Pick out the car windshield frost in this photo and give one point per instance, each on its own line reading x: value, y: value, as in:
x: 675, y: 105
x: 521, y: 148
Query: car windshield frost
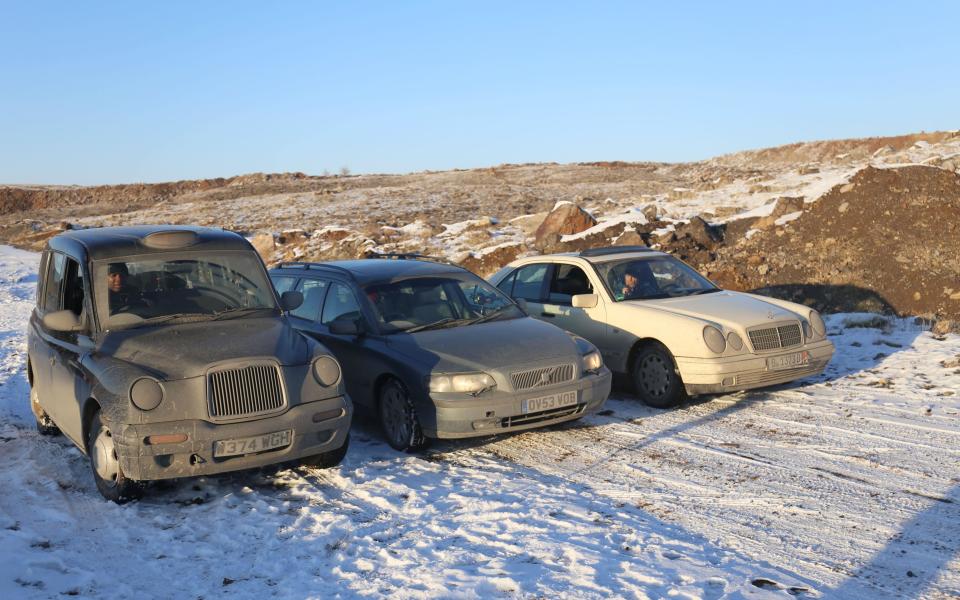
x: 138, y: 291
x: 652, y: 278
x: 437, y: 302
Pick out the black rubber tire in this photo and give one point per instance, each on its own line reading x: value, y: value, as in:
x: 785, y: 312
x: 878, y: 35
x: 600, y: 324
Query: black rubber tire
x: 329, y: 459
x: 398, y: 418
x: 45, y: 425
x: 655, y: 377
x: 118, y: 488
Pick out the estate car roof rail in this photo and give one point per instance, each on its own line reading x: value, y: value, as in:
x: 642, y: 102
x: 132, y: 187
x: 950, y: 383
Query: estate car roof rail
x: 614, y: 250
x: 409, y: 256
x: 314, y: 266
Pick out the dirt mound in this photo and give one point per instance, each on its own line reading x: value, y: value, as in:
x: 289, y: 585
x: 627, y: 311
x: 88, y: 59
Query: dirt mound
x: 889, y: 239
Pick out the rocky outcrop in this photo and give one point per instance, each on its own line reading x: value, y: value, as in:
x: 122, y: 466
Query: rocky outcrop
x: 565, y: 219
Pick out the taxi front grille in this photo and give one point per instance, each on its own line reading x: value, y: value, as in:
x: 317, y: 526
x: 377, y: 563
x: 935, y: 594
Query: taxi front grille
x: 245, y: 392
x: 542, y: 377
x: 774, y: 338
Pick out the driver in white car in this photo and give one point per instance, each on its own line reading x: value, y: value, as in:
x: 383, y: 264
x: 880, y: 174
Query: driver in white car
x: 638, y: 282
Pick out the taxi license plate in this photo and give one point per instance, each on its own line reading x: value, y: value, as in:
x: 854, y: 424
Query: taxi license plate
x: 788, y: 361
x: 558, y: 400
x: 256, y: 443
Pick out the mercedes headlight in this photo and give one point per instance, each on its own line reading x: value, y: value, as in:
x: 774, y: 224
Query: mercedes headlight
x: 592, y: 361
x: 714, y: 340
x: 326, y: 370
x: 735, y: 341
x: 465, y: 383
x: 816, y: 322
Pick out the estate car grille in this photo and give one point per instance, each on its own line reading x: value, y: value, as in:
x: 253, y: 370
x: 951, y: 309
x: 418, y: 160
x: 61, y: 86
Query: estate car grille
x: 245, y: 392
x: 771, y: 338
x: 542, y: 377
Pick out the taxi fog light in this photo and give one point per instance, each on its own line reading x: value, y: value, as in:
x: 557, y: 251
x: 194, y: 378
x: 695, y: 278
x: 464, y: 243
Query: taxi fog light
x: 468, y: 383
x: 168, y: 438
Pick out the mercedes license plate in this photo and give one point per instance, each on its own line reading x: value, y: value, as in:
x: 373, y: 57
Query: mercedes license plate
x: 256, y: 443
x: 788, y: 361
x: 541, y: 403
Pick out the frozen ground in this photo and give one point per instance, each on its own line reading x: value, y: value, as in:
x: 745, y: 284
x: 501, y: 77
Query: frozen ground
x: 847, y: 486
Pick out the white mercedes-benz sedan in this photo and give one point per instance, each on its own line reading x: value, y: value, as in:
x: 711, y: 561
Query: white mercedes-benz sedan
x: 670, y: 329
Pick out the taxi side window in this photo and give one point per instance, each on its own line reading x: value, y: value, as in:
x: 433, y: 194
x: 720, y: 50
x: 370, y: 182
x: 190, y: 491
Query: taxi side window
x: 53, y: 286
x: 73, y: 288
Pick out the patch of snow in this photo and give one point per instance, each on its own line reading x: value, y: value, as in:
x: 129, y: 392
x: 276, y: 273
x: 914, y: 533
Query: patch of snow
x: 788, y: 217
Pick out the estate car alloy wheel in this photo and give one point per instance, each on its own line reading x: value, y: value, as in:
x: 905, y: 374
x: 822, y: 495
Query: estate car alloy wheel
x: 655, y: 378
x: 398, y: 418
x: 105, y: 464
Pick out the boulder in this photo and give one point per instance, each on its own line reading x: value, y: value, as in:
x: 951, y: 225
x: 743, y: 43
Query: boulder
x: 784, y: 206
x: 263, y: 243
x: 700, y: 232
x: 565, y: 219
x: 486, y: 262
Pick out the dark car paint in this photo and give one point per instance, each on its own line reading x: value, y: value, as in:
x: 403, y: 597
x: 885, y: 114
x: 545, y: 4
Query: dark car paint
x: 76, y: 373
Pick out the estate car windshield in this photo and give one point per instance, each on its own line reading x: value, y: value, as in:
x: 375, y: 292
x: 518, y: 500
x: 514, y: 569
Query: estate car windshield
x: 137, y: 291
x: 652, y: 278
x: 419, y: 304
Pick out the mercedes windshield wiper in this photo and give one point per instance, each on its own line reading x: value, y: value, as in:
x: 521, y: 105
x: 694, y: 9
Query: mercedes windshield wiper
x: 707, y: 291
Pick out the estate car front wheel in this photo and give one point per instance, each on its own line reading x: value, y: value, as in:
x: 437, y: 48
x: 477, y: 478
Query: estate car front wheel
x: 655, y: 378
x: 398, y: 418
x: 105, y: 464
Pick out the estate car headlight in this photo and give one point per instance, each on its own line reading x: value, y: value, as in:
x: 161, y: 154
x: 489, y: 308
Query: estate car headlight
x: 592, y: 361
x: 146, y: 393
x: 467, y: 383
x: 714, y: 340
x: 735, y: 341
x: 816, y: 322
x: 326, y: 370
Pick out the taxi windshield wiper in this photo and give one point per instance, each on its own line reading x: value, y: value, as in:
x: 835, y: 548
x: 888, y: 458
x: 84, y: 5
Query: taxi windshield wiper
x: 164, y: 318
x: 237, y: 311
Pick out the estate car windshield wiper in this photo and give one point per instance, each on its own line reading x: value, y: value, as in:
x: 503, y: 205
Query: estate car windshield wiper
x: 489, y: 316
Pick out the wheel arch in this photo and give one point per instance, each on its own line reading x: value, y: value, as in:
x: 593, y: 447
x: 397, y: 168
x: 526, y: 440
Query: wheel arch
x: 90, y: 408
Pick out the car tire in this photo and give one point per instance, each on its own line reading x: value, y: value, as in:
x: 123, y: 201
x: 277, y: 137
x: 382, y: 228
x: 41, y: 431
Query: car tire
x: 111, y: 481
x: 655, y: 378
x: 329, y: 459
x: 45, y: 425
x: 398, y: 418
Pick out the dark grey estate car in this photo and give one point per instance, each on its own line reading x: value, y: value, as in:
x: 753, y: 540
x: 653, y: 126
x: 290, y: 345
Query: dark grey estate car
x: 162, y: 352
x: 438, y: 352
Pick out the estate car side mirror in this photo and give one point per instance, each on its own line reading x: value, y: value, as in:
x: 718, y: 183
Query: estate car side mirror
x: 63, y: 320
x: 291, y: 300
x: 584, y: 300
x: 346, y: 327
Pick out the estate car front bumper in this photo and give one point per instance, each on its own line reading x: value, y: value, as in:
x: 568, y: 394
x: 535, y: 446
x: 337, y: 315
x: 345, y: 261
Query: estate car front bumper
x: 748, y: 371
x: 318, y: 427
x: 466, y: 416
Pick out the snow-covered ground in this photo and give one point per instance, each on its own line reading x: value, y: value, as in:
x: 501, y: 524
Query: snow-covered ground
x: 846, y: 486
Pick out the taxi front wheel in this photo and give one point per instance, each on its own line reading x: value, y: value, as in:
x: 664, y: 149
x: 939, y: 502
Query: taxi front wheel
x: 111, y: 481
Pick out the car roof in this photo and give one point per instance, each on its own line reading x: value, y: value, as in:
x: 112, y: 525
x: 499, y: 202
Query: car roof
x: 597, y: 255
x: 109, y: 242
x: 373, y: 270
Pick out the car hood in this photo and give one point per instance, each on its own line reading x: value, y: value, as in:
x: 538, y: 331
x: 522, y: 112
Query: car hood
x: 730, y: 309
x: 185, y: 350
x: 485, y: 346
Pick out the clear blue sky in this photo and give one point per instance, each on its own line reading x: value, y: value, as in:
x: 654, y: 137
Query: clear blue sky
x: 99, y: 92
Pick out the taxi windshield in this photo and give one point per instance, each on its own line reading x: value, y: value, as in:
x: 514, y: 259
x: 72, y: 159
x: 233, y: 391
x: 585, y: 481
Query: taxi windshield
x: 135, y: 291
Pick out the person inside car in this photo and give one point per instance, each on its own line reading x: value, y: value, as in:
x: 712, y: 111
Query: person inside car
x: 638, y: 282
x: 123, y: 296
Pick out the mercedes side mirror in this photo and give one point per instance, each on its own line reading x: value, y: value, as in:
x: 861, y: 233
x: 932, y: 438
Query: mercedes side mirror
x: 584, y: 300
x: 522, y: 303
x: 291, y: 300
x: 63, y: 320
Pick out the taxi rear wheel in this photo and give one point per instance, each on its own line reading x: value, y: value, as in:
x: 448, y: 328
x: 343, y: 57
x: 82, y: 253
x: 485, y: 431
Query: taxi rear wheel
x: 111, y: 481
x: 398, y: 418
x: 655, y: 377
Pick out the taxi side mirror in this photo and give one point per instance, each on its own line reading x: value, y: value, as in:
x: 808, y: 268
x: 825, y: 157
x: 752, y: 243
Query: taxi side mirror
x: 63, y: 321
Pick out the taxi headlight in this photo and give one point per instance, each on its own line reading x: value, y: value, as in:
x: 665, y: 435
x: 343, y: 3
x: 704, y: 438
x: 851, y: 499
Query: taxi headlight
x: 713, y: 338
x: 146, y: 393
x: 326, y: 370
x: 466, y: 383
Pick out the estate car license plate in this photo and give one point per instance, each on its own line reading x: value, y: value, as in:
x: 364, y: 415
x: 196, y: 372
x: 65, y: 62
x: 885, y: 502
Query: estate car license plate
x: 558, y: 400
x: 788, y: 361
x: 256, y: 443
